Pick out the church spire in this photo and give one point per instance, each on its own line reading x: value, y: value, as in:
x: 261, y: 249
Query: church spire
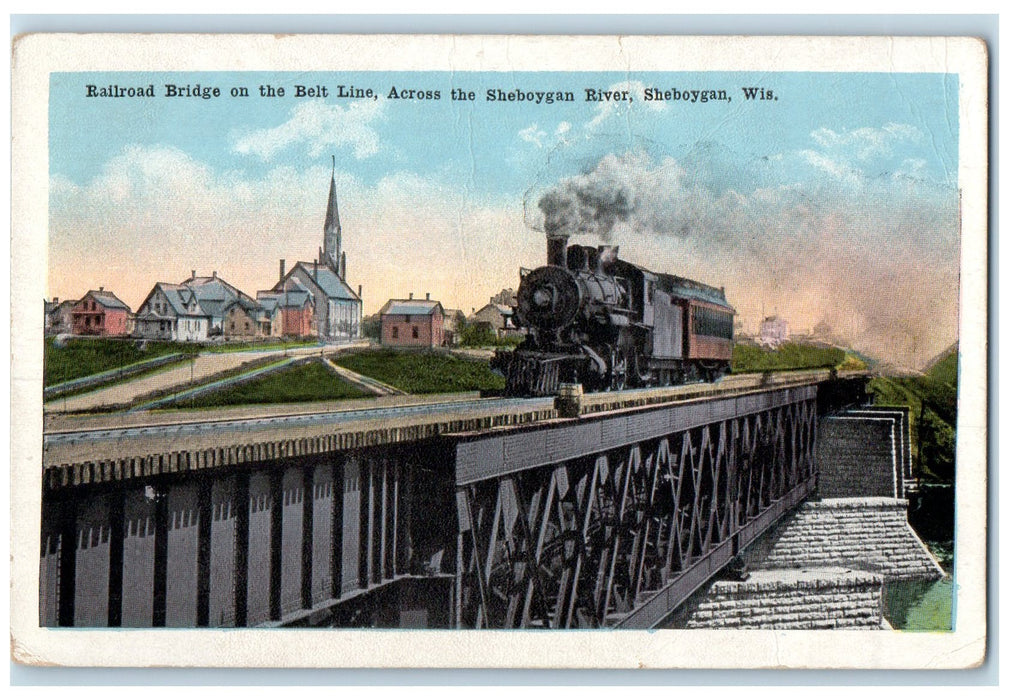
x: 332, y: 230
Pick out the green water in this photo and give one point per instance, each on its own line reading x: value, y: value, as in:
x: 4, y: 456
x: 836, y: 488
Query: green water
x: 919, y: 606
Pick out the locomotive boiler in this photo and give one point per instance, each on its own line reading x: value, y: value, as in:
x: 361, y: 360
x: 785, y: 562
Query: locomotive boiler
x: 594, y: 319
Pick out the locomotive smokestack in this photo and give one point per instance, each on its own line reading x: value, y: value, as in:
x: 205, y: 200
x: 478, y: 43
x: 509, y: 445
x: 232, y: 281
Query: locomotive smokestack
x: 557, y: 249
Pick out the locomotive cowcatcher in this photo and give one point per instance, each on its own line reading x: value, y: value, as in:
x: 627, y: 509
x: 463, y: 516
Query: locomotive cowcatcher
x: 594, y: 319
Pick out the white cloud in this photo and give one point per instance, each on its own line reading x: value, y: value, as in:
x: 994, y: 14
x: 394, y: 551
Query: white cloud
x: 319, y: 127
x: 533, y: 134
x: 867, y: 142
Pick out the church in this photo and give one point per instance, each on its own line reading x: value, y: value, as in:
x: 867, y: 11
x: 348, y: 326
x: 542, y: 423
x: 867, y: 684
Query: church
x: 336, y: 307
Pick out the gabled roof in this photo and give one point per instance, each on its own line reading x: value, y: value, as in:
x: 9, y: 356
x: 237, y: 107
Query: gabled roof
x: 214, y: 294
x: 268, y: 303
x: 289, y: 298
x: 106, y: 299
x: 178, y: 296
x: 246, y: 304
x: 411, y: 307
x: 505, y: 311
x: 323, y: 278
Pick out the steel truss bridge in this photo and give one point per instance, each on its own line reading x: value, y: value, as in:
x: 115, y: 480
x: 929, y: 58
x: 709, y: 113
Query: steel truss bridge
x: 468, y: 514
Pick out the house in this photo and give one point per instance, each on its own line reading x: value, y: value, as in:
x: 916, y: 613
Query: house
x: 216, y: 296
x: 498, y: 318
x: 291, y: 313
x: 412, y: 323
x: 172, y: 312
x: 100, y: 313
x: 59, y: 316
x: 773, y: 331
x: 243, y: 319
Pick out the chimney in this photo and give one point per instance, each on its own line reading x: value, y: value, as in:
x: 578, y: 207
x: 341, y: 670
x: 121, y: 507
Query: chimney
x: 56, y: 301
x: 358, y: 291
x: 557, y: 250
x: 282, y: 268
x: 427, y: 295
x: 315, y: 269
x: 192, y: 273
x: 215, y: 274
x: 101, y: 289
x: 411, y: 295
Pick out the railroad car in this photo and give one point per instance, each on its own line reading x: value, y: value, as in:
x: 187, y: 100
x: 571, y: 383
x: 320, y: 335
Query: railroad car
x: 594, y: 319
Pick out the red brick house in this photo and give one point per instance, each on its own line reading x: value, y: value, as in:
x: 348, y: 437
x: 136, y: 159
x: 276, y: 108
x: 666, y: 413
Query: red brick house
x: 100, y: 313
x: 293, y: 312
x: 413, y: 323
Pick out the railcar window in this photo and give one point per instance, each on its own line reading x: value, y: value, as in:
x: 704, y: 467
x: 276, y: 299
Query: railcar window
x: 712, y: 323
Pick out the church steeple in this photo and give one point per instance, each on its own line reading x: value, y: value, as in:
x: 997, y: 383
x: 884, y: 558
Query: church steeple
x: 333, y: 232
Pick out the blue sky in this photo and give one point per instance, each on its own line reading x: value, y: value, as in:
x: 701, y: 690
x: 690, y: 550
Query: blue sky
x: 752, y: 194
x: 88, y: 132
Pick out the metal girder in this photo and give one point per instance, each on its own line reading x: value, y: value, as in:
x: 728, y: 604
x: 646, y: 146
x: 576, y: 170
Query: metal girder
x: 585, y: 542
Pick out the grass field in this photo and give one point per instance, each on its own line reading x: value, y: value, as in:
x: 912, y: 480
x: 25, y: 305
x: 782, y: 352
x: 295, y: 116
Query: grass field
x: 753, y: 358
x: 309, y: 381
x: 82, y: 357
x: 422, y: 372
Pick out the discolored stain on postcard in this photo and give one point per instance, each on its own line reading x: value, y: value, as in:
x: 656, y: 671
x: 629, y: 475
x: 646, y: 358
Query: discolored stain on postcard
x: 540, y: 351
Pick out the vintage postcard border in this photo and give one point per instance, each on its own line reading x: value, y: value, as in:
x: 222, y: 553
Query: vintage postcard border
x: 38, y: 55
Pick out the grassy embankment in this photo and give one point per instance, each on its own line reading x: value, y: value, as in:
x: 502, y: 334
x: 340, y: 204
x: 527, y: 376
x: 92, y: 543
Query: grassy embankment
x: 753, y: 358
x: 303, y: 382
x: 83, y: 357
x: 422, y: 372
x: 932, y: 398
x: 265, y: 344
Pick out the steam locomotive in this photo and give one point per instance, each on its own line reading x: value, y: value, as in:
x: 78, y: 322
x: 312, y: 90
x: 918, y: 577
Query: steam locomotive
x: 594, y: 319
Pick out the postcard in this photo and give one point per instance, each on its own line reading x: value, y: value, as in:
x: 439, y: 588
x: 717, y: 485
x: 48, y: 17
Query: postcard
x: 499, y: 351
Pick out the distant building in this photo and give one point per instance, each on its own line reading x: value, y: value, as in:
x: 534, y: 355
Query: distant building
x: 59, y: 316
x: 100, y: 313
x: 773, y: 330
x: 290, y: 313
x: 216, y: 297
x: 172, y: 312
x: 498, y: 318
x: 243, y: 319
x: 506, y: 297
x: 455, y: 319
x: 336, y: 308
x: 412, y: 323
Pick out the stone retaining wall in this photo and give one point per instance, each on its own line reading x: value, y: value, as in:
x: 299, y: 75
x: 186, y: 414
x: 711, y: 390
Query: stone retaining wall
x: 870, y: 534
x: 795, y: 600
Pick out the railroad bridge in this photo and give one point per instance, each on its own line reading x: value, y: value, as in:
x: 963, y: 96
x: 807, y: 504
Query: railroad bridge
x: 491, y: 513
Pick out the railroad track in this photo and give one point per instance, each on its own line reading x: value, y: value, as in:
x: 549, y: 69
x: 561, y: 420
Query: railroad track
x: 269, y: 418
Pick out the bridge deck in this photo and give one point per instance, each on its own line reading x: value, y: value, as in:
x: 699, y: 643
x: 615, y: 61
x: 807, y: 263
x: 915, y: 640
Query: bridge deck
x: 94, y: 449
